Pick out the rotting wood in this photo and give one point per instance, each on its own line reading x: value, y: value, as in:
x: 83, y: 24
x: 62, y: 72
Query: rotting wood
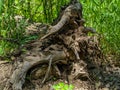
x: 69, y: 16
x: 18, y: 77
x: 66, y: 37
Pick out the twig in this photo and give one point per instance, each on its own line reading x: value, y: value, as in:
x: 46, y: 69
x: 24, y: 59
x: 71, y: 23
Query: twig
x: 47, y: 73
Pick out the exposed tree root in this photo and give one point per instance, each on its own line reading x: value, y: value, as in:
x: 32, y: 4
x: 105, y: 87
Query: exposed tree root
x: 65, y: 43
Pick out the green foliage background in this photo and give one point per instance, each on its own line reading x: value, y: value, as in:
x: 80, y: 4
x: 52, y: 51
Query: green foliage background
x: 103, y: 15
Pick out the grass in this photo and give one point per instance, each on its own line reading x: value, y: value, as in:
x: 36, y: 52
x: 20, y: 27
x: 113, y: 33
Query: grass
x: 103, y: 15
x: 63, y: 86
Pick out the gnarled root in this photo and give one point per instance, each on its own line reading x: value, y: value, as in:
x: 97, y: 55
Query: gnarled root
x: 18, y: 77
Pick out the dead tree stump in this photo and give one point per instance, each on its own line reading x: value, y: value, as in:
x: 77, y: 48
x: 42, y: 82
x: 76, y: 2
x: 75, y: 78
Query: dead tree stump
x: 66, y: 43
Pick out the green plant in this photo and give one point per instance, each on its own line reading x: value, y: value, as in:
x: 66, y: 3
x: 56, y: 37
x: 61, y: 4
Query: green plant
x: 103, y: 15
x: 63, y: 86
x: 33, y: 10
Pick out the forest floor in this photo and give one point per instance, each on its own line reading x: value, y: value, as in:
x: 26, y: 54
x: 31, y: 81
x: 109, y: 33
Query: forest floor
x: 105, y: 77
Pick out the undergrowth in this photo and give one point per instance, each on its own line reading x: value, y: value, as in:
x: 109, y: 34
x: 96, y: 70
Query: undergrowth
x: 103, y: 15
x: 63, y: 86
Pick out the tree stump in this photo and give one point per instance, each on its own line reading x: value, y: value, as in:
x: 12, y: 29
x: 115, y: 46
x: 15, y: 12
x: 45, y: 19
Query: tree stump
x: 65, y: 45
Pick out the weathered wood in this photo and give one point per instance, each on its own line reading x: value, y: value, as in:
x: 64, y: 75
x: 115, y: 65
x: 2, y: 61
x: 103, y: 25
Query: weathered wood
x: 69, y: 15
x: 18, y: 77
x: 69, y: 41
